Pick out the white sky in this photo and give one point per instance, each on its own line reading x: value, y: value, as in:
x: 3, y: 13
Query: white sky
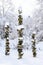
x: 28, y: 6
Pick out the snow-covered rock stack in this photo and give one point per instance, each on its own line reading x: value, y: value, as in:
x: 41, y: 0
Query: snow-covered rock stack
x: 20, y: 34
x: 7, y: 49
x: 34, y: 44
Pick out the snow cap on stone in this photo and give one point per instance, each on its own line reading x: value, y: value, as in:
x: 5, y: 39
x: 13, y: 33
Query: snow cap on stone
x: 32, y: 40
x: 20, y: 38
x: 34, y: 32
x: 20, y: 27
x: 8, y: 38
x: 7, y: 23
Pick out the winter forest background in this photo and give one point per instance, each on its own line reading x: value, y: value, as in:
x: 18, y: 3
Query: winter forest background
x: 21, y: 32
x: 31, y: 23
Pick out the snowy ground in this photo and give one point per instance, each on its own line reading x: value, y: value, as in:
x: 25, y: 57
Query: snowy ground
x: 27, y: 59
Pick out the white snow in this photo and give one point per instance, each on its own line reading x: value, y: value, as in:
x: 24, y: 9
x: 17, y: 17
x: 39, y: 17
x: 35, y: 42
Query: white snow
x: 20, y: 38
x: 7, y: 23
x: 19, y: 27
x: 34, y: 32
x: 31, y: 25
x: 27, y: 59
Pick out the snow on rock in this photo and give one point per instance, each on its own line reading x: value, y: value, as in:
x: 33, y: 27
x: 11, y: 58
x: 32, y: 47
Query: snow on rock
x: 19, y: 27
x: 20, y: 38
x: 34, y: 32
x: 7, y: 23
x: 32, y: 40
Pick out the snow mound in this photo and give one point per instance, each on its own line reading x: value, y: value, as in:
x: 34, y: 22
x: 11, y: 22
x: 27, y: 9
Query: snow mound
x: 19, y: 27
x: 7, y: 23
